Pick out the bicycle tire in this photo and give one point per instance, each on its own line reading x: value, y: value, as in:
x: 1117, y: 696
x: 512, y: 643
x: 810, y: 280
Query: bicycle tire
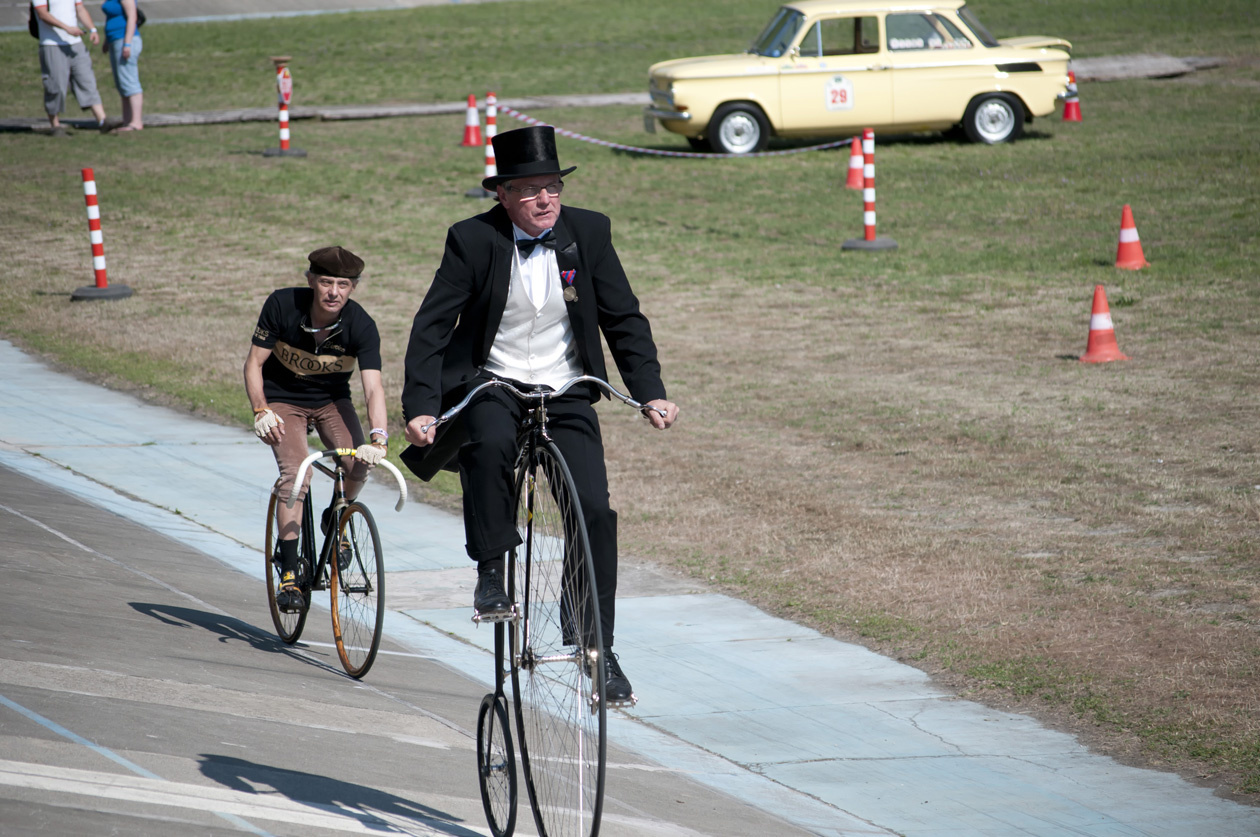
x: 556, y: 690
x: 357, y: 589
x: 496, y: 766
x: 288, y: 625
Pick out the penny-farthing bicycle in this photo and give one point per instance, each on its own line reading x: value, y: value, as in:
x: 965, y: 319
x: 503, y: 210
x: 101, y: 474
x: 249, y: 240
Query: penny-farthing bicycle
x: 552, y: 645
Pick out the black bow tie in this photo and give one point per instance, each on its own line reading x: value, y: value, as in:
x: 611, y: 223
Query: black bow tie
x: 526, y: 245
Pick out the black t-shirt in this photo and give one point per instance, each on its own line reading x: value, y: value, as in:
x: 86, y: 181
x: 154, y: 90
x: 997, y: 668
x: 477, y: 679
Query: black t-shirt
x: 299, y: 371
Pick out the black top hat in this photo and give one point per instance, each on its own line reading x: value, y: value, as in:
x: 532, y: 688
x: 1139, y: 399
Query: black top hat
x: 525, y: 152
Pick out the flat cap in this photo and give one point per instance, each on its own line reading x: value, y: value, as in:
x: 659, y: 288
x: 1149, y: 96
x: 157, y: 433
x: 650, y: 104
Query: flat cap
x: 335, y: 261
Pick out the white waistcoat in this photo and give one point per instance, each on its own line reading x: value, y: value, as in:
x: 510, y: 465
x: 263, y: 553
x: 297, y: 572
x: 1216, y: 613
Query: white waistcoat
x: 534, y: 343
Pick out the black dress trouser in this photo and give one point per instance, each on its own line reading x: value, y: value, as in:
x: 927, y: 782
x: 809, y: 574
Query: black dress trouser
x: 486, y: 463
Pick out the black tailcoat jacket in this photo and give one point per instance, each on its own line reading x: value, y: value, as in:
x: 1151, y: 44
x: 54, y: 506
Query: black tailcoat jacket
x: 456, y: 325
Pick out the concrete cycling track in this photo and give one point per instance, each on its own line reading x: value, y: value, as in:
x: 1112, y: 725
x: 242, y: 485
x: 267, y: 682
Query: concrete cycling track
x: 822, y: 734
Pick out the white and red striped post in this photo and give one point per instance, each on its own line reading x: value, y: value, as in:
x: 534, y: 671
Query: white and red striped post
x: 101, y: 289
x: 492, y: 169
x: 284, y: 95
x: 94, y: 228
x: 492, y: 113
x: 284, y: 84
x: 868, y: 183
x: 869, y: 240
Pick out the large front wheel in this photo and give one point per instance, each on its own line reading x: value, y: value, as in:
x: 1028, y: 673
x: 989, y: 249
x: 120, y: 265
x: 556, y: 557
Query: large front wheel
x: 288, y: 624
x: 557, y: 674
x: 358, y: 589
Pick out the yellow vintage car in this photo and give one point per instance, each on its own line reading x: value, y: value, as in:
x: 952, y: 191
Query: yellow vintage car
x: 828, y: 68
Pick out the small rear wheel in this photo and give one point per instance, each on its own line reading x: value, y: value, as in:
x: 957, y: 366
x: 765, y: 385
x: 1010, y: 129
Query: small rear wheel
x: 738, y: 128
x: 288, y: 625
x: 357, y: 588
x: 496, y: 766
x: 994, y: 118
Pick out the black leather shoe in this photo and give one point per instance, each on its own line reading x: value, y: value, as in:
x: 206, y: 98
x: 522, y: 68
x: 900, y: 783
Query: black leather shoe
x: 616, y: 685
x: 491, y: 599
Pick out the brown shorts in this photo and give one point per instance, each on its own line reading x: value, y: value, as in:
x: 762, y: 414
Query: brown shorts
x: 338, y: 427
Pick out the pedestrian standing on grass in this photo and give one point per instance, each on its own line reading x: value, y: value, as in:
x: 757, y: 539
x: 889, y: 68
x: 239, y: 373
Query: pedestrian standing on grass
x: 522, y: 294
x: 297, y: 375
x: 64, y: 62
x: 123, y: 44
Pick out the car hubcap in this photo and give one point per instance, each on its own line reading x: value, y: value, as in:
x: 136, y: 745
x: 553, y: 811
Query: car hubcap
x: 995, y: 120
x: 740, y: 133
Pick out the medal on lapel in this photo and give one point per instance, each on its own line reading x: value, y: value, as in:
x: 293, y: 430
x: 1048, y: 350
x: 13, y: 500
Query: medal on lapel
x: 570, y: 292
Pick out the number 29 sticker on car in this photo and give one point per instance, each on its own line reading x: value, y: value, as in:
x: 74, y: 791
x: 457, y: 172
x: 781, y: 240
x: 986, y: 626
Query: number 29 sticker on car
x: 839, y: 93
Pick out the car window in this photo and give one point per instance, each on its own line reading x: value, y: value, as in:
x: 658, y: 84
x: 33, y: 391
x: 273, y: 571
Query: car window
x: 841, y: 36
x: 779, y: 32
x: 969, y: 18
x: 923, y: 30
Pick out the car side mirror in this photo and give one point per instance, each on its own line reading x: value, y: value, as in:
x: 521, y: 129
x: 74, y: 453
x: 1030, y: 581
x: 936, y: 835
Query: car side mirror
x: 794, y: 53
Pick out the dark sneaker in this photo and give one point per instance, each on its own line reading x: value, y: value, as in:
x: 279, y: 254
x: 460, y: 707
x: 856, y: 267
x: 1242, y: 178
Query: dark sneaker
x: 616, y: 685
x: 289, y: 597
x: 491, y: 601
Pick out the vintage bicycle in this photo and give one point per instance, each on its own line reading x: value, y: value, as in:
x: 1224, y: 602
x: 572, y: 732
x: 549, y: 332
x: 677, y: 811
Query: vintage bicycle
x: 349, y: 564
x: 553, y: 643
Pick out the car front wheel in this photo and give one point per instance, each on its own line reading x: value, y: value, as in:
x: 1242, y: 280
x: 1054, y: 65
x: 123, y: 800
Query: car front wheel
x: 738, y: 128
x: 994, y: 118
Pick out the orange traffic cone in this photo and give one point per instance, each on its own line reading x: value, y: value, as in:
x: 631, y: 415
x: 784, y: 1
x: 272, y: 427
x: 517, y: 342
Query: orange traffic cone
x: 1071, y: 103
x: 856, y: 162
x: 1102, y: 346
x: 1129, y: 252
x: 472, y: 124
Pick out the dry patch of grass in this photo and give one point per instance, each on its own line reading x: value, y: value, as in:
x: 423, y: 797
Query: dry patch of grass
x: 1073, y: 540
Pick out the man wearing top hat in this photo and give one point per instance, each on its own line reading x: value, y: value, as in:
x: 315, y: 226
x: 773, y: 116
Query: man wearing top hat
x: 297, y: 374
x: 522, y: 294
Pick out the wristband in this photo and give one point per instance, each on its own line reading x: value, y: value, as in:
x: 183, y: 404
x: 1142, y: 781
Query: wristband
x: 378, y: 431
x: 92, y: 31
x: 262, y: 410
x: 126, y: 46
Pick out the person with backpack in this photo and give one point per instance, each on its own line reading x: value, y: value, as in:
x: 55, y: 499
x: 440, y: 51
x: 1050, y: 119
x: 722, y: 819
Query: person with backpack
x: 64, y: 62
x: 123, y: 45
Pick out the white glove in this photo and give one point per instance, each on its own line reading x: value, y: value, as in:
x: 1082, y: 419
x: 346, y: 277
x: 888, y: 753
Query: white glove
x: 265, y: 422
x: 372, y: 453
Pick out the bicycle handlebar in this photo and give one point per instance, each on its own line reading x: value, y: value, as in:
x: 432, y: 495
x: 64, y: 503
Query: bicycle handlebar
x: 308, y: 461
x: 539, y: 395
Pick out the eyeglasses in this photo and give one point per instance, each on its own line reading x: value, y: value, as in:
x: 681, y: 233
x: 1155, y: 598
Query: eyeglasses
x: 531, y: 192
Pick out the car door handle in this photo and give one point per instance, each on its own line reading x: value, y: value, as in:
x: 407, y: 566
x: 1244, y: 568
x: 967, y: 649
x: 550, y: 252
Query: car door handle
x: 877, y: 67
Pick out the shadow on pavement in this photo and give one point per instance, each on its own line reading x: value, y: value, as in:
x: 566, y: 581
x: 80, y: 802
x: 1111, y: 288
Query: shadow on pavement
x: 229, y: 629
x: 378, y: 810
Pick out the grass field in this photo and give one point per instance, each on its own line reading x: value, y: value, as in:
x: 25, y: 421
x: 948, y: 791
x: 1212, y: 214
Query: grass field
x: 899, y: 449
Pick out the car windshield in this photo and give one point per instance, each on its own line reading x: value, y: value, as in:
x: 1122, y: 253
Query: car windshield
x: 779, y: 32
x: 982, y: 34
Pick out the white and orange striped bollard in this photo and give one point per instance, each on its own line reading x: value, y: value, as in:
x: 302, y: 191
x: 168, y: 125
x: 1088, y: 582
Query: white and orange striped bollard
x: 492, y: 169
x: 101, y: 290
x: 284, y: 95
x: 869, y: 240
